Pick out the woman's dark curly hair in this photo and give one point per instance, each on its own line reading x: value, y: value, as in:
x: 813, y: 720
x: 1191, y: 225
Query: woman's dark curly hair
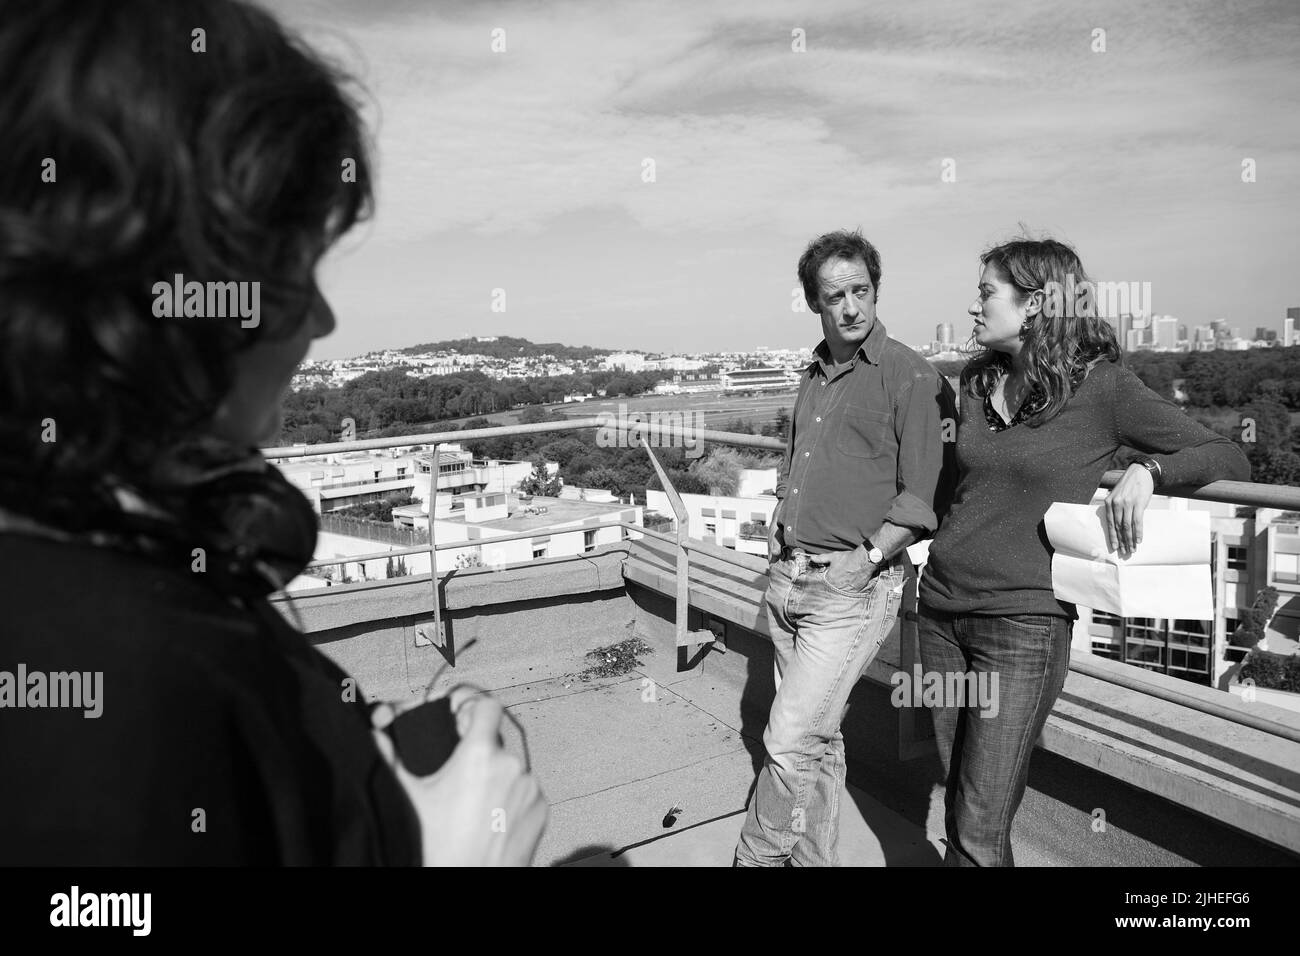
x: 1058, y: 345
x: 131, y: 156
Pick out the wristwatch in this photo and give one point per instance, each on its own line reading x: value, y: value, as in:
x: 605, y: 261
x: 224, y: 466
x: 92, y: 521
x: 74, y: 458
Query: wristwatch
x: 874, y: 554
x: 1153, y: 466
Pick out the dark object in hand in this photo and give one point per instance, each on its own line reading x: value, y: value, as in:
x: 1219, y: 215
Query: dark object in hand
x: 425, y: 736
x: 671, y: 816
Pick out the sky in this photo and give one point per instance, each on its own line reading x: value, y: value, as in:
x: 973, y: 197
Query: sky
x: 524, y: 170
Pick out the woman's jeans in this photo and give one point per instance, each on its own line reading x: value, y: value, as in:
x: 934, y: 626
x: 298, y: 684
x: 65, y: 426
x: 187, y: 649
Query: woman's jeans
x: 824, y: 638
x: 985, y: 749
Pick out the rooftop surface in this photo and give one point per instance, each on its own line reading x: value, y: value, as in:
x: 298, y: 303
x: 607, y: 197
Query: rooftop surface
x: 682, y: 729
x: 1181, y: 775
x: 558, y: 511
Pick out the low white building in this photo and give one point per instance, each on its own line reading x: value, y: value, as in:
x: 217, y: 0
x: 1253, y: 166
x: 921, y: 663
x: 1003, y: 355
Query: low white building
x: 760, y: 379
x: 555, y: 527
x: 626, y: 361
x: 337, y: 481
x: 460, y: 472
x: 739, y: 522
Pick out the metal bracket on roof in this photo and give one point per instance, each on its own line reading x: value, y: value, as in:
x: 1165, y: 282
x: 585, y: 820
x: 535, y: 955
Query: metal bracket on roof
x: 432, y: 634
x: 715, y: 630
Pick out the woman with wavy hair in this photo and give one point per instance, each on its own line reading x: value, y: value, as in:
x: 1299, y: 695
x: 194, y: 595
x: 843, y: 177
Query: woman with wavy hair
x: 1045, y: 405
x: 154, y: 145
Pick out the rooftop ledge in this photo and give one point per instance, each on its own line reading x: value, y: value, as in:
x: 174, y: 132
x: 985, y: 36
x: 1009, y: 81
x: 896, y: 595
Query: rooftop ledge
x: 1241, y: 777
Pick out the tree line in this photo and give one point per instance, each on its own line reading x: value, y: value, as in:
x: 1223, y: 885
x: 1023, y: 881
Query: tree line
x: 626, y: 471
x: 1247, y: 396
x: 390, y: 402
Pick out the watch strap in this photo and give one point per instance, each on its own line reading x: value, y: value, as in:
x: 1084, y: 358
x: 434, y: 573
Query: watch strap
x: 1153, y: 466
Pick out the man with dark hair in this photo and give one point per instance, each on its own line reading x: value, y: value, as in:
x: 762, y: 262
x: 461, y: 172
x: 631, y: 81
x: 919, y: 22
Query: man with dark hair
x: 866, y: 474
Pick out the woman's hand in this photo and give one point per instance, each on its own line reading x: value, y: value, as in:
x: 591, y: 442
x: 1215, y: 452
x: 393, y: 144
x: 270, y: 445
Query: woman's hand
x: 1124, y: 507
x: 482, y: 808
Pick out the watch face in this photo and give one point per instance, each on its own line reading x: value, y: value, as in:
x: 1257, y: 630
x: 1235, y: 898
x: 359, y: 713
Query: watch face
x: 875, y: 554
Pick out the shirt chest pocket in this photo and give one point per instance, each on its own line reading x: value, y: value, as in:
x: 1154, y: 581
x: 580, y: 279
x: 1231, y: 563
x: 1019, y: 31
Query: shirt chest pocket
x: 865, y: 433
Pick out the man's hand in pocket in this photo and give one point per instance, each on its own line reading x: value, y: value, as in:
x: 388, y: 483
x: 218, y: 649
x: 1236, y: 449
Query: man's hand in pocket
x: 847, y: 570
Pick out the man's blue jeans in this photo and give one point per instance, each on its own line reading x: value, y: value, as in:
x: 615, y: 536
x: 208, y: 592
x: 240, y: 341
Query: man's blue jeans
x: 824, y: 638
x: 985, y: 751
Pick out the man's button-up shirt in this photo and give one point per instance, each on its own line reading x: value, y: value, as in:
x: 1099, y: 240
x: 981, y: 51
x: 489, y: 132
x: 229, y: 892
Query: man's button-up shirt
x: 867, y: 446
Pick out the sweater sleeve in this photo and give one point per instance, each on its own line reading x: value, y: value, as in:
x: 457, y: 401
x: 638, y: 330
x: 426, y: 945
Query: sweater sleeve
x: 1188, y: 453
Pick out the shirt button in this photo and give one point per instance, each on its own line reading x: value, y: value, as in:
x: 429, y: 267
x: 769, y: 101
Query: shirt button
x: 819, y: 418
x: 796, y: 491
x: 807, y: 453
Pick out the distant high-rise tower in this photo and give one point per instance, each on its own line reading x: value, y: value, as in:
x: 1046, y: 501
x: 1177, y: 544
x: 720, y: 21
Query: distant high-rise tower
x: 944, y: 333
x: 1289, y: 334
x: 1138, y: 334
x: 1164, y: 331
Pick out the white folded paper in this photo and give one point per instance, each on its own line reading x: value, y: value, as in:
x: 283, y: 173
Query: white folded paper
x: 1167, y: 576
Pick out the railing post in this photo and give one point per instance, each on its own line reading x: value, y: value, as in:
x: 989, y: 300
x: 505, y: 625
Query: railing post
x: 685, y: 637
x: 438, y: 637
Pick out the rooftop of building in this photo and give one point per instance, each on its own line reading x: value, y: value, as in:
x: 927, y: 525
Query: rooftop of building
x: 524, y: 511
x: 444, y: 457
x: 525, y: 515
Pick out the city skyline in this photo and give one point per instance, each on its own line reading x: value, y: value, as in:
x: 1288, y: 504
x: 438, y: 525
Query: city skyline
x: 517, y: 172
x: 1184, y: 334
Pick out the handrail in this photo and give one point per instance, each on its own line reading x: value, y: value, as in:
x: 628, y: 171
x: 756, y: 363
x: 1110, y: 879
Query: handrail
x: 500, y: 431
x: 434, y: 475
x: 683, y: 569
x: 1229, y: 492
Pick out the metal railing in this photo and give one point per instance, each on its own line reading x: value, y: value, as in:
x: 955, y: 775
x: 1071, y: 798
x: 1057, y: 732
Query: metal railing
x: 358, y: 482
x: 1231, y: 492
x: 540, y: 428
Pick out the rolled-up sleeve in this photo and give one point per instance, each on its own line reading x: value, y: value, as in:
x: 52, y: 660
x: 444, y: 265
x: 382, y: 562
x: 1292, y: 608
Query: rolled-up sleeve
x: 925, y: 421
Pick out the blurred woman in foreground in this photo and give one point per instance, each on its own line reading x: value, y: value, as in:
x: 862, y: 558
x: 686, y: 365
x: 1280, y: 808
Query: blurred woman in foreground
x: 151, y: 144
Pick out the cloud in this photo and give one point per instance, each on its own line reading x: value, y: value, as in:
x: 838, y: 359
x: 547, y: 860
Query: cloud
x: 744, y: 133
x: 757, y: 148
